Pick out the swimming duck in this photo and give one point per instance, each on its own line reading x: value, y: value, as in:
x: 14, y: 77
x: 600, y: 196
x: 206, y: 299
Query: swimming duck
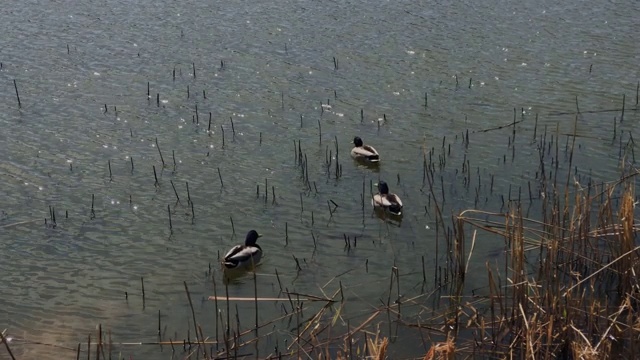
x: 243, y: 256
x: 387, y: 201
x: 364, y: 152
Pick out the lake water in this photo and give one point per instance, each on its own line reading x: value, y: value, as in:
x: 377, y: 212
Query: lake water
x: 268, y: 73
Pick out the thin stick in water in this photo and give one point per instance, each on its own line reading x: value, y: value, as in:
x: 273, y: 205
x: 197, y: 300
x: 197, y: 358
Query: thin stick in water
x: 160, y: 152
x: 215, y: 293
x: 193, y: 313
x: 220, y: 176
x: 174, y: 190
x: 6, y: 344
x: 93, y: 213
x: 255, y: 294
x: 155, y: 175
x: 233, y: 129
x: 15, y: 85
x: 624, y: 98
x: 143, y: 297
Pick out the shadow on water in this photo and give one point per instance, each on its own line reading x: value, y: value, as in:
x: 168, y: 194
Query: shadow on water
x: 389, y: 218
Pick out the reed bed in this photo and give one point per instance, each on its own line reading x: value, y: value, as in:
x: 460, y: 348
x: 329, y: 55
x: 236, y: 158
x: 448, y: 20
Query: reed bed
x: 565, y: 287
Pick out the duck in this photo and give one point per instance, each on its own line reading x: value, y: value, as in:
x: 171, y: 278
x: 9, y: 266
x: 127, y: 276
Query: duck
x: 364, y: 152
x: 244, y: 256
x: 387, y: 201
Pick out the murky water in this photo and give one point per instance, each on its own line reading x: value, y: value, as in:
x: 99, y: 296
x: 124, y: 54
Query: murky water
x: 263, y: 72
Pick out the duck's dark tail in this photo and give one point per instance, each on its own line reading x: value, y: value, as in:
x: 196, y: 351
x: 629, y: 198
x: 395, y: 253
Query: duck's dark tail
x: 395, y: 209
x: 373, y: 158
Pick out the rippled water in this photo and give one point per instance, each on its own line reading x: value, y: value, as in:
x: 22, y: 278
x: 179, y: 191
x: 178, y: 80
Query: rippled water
x: 269, y: 67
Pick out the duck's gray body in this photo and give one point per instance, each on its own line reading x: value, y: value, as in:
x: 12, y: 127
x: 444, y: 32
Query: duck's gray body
x: 386, y: 200
x: 244, y: 256
x: 364, y: 152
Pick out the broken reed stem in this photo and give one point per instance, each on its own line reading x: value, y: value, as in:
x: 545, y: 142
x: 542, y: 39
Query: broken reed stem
x: 298, y: 267
x: 173, y: 152
x: 220, y: 176
x: 226, y: 290
x: 110, y: 176
x: 15, y: 85
x: 155, y: 175
x: 193, y: 314
x: 142, y: 284
x: 624, y: 98
x: 160, y: 152
x: 174, y: 190
x: 233, y: 129
x: 233, y: 228
x: 215, y: 293
x: 169, y: 211
x: 255, y: 294
x: 6, y: 344
x: 222, y: 128
x: 99, y: 348
x: 93, y: 213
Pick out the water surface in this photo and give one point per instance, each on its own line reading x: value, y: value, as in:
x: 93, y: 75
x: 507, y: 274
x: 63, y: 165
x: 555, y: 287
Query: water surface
x: 269, y: 68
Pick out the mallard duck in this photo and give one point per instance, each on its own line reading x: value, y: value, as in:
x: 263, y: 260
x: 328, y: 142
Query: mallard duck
x: 247, y: 255
x: 364, y: 152
x: 387, y: 201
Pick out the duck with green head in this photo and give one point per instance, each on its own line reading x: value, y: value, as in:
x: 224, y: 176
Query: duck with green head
x: 244, y: 256
x: 386, y: 200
